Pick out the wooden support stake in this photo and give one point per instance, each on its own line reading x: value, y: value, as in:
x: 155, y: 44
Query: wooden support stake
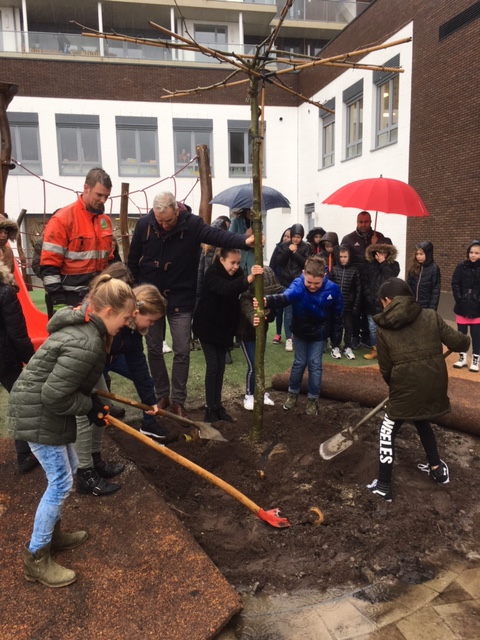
x: 21, y: 253
x: 206, y: 191
x: 124, y: 230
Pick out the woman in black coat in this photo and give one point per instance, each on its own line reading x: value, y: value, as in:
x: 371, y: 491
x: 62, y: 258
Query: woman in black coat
x: 424, y: 276
x: 215, y: 320
x: 466, y: 291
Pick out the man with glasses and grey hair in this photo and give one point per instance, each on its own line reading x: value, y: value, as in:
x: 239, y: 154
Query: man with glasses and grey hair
x: 165, y: 252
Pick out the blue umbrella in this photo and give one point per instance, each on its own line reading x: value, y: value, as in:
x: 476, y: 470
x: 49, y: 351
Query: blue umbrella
x: 241, y: 197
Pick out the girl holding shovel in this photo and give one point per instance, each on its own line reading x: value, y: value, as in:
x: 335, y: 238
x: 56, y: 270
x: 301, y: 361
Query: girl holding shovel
x: 410, y: 356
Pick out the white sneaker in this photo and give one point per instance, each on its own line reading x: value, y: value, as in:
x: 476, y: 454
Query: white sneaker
x: 348, y: 353
x: 336, y: 353
x: 268, y: 400
x: 288, y: 344
x: 248, y: 403
x: 166, y: 348
x: 474, y: 366
x: 461, y: 362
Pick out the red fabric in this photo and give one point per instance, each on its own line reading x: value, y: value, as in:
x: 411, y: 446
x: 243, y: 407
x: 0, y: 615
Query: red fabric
x: 35, y: 319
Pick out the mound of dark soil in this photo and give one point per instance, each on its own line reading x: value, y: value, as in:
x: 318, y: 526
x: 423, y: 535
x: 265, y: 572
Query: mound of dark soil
x: 362, y: 537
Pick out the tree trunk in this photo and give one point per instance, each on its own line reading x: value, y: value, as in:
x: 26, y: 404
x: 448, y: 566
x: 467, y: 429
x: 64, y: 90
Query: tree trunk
x: 7, y: 93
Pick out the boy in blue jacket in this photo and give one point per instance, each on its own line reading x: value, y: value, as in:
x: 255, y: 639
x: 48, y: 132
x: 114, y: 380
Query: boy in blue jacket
x: 317, y: 312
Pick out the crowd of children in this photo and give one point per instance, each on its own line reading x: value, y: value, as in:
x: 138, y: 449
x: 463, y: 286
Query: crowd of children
x: 53, y: 392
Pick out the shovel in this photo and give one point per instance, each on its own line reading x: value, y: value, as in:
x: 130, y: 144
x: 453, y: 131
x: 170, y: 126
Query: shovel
x: 343, y: 440
x: 271, y: 517
x: 207, y: 432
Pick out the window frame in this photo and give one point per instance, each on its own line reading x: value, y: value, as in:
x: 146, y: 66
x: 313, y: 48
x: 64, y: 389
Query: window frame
x: 245, y: 169
x: 137, y: 126
x: 81, y: 124
x: 327, y: 132
x: 387, y: 84
x: 194, y: 127
x: 353, y: 100
x: 18, y: 122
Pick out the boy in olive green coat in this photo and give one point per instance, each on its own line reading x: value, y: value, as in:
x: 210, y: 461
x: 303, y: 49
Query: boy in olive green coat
x: 410, y: 355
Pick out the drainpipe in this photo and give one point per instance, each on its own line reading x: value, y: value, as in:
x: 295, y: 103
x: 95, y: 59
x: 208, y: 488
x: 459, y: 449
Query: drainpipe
x: 25, y: 25
x: 100, y: 28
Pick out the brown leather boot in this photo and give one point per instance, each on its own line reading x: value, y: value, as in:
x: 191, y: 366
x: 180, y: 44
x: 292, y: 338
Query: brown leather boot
x: 372, y: 355
x: 39, y: 567
x: 61, y: 540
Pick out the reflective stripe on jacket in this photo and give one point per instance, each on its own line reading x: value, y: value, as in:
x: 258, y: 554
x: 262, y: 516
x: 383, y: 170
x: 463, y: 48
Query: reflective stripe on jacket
x: 77, y: 245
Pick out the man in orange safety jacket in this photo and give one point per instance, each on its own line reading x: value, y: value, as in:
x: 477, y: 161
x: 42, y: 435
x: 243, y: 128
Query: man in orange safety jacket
x: 77, y: 243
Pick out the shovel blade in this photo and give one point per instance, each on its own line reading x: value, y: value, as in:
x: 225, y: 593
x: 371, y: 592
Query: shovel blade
x: 273, y: 517
x: 336, y: 444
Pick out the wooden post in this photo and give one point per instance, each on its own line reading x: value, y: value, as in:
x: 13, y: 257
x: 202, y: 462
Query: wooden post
x: 7, y: 93
x: 21, y: 253
x: 206, y: 192
x: 124, y: 230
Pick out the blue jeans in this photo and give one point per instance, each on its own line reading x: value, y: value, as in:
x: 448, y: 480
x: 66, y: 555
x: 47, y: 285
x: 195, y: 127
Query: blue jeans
x: 60, y: 465
x: 287, y: 321
x: 307, y: 354
x: 372, y: 328
x: 249, y: 353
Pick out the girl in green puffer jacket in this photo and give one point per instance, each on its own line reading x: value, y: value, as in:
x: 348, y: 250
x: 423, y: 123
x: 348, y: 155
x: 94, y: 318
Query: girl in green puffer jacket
x: 410, y: 355
x: 55, y: 386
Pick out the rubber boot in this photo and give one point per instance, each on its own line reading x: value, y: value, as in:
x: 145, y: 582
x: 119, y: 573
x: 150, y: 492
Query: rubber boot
x: 39, y: 567
x: 61, y: 540
x: 372, y: 355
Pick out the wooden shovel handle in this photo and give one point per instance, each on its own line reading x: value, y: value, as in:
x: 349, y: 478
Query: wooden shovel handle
x: 188, y: 464
x: 146, y: 407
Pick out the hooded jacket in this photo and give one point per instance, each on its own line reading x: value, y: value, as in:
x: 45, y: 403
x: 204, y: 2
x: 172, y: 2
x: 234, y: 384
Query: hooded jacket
x: 315, y: 316
x: 291, y: 263
x: 347, y: 277
x: 358, y: 243
x: 330, y: 258
x: 169, y: 260
x: 466, y: 286
x: 315, y: 248
x: 409, y: 347
x: 375, y: 273
x: 425, y: 283
x: 6, y: 254
x: 15, y: 345
x: 56, y: 384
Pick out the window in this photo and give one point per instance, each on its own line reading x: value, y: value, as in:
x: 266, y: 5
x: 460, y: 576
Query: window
x: 328, y: 134
x: 211, y: 35
x: 187, y: 135
x: 25, y: 143
x: 240, y: 149
x: 78, y: 140
x: 353, y: 99
x: 387, y: 104
x: 137, y: 147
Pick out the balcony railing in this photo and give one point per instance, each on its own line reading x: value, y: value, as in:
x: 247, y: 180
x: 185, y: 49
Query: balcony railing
x: 324, y: 10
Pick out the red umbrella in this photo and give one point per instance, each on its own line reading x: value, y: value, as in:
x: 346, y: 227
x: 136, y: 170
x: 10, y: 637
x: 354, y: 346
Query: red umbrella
x: 380, y: 194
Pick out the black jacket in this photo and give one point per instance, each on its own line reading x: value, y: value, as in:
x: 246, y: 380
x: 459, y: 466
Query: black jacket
x: 358, y: 243
x: 426, y: 282
x: 375, y: 273
x: 348, y: 279
x: 15, y: 345
x: 466, y: 287
x: 129, y: 342
x: 169, y: 260
x: 291, y: 263
x: 216, y: 314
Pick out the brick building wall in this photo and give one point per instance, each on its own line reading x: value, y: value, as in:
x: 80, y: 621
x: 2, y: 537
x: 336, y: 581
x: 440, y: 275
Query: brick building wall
x: 444, y: 163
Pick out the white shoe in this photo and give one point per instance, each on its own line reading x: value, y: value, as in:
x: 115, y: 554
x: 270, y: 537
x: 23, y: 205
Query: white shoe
x: 166, y: 348
x: 474, y: 366
x: 268, y: 400
x: 248, y: 403
x: 461, y: 362
x: 335, y: 353
x: 348, y: 353
x: 288, y: 344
